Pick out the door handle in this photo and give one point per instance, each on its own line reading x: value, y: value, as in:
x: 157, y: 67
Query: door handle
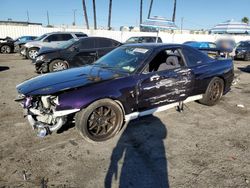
x: 92, y: 53
x: 154, y: 78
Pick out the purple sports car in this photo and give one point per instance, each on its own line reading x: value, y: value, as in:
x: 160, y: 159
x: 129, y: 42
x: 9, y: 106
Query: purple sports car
x: 131, y: 81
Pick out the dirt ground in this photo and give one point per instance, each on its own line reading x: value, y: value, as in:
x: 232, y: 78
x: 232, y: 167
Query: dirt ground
x: 201, y: 147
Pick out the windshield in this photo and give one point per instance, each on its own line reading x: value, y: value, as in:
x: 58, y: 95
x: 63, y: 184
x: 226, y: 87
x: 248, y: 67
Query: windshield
x: 41, y: 37
x: 126, y: 59
x: 67, y: 43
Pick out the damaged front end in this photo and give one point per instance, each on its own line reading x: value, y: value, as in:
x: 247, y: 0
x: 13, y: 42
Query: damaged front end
x: 42, y: 114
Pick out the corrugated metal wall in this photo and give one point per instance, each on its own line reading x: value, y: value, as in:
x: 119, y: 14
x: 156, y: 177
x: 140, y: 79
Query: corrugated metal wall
x: 17, y: 31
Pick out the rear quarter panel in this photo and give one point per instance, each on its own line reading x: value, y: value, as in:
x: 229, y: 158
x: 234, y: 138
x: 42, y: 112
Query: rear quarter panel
x: 205, y: 72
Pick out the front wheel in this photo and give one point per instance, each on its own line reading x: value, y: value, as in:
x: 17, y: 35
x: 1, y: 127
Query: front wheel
x: 100, y: 121
x: 214, y: 92
x: 32, y: 53
x: 57, y: 65
x: 5, y: 49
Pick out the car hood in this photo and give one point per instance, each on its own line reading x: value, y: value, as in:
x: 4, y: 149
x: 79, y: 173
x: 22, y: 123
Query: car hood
x: 45, y: 50
x: 64, y: 80
x: 22, y: 42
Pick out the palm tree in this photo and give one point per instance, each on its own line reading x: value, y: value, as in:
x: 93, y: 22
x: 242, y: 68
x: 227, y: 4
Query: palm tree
x: 245, y: 20
x: 94, y: 11
x: 141, y: 3
x: 150, y: 8
x: 174, y: 11
x: 109, y: 19
x: 85, y: 13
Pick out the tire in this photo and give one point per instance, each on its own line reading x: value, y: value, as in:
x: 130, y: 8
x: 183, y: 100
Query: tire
x: 5, y: 49
x: 32, y: 53
x: 214, y: 92
x: 247, y: 56
x: 57, y: 65
x: 94, y: 125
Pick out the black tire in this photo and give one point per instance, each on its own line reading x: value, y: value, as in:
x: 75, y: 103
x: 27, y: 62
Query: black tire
x: 214, y: 92
x: 32, y: 53
x: 247, y: 56
x: 5, y: 49
x: 100, y: 121
x: 57, y: 65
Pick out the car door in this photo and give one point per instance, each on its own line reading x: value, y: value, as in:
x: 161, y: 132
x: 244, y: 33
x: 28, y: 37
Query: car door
x: 104, y: 46
x: 158, y: 88
x: 84, y: 52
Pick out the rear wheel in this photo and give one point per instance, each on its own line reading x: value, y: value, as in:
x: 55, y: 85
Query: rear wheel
x: 57, y: 65
x: 5, y: 49
x: 32, y: 53
x: 214, y: 92
x: 100, y: 121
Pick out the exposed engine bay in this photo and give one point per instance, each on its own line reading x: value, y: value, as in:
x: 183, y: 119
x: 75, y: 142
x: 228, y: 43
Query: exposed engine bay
x: 42, y: 115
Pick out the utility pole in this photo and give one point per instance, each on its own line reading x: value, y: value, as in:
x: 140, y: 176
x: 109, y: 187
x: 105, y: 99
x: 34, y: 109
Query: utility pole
x: 182, y: 18
x: 48, y: 17
x: 174, y: 11
x: 85, y: 14
x: 28, y: 16
x: 110, y: 11
x: 150, y: 8
x: 141, y: 4
x: 94, y: 11
x: 74, y: 11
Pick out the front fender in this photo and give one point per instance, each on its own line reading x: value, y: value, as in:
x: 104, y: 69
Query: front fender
x: 119, y: 89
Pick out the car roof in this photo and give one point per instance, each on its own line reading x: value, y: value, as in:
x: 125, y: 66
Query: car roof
x: 82, y: 38
x: 153, y: 45
x: 63, y: 32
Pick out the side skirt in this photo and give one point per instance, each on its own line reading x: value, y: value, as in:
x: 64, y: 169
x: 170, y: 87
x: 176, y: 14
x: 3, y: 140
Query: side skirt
x: 135, y: 115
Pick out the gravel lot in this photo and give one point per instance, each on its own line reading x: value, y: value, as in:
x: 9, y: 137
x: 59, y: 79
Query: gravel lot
x: 201, y: 147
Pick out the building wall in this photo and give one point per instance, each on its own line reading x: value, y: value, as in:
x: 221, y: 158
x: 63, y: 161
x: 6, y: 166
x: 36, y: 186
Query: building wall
x: 17, y: 31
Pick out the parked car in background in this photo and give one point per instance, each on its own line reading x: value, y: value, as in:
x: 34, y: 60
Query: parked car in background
x: 144, y: 39
x: 51, y: 40
x: 242, y: 50
x: 73, y: 53
x: 198, y: 45
x: 129, y: 82
x: 19, y: 42
x: 206, y: 47
x: 6, y: 45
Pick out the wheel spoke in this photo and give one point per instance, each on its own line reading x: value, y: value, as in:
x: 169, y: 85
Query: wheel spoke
x: 107, y: 112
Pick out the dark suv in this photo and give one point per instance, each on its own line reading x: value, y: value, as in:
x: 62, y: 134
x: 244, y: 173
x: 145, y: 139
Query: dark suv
x: 73, y: 53
x: 243, y: 51
x: 144, y: 39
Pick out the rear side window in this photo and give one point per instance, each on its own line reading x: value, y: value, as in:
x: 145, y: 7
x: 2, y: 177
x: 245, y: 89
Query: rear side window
x: 65, y: 37
x: 159, y: 40
x: 147, y: 40
x: 88, y: 43
x: 81, y: 35
x: 101, y: 43
x: 193, y: 57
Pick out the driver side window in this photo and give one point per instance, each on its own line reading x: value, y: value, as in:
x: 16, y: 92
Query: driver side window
x: 167, y: 59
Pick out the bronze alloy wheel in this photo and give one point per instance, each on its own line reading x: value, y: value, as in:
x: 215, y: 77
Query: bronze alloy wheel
x: 215, y: 91
x: 100, y: 121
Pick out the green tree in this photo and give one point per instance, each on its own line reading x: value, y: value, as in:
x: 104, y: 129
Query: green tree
x: 245, y: 20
